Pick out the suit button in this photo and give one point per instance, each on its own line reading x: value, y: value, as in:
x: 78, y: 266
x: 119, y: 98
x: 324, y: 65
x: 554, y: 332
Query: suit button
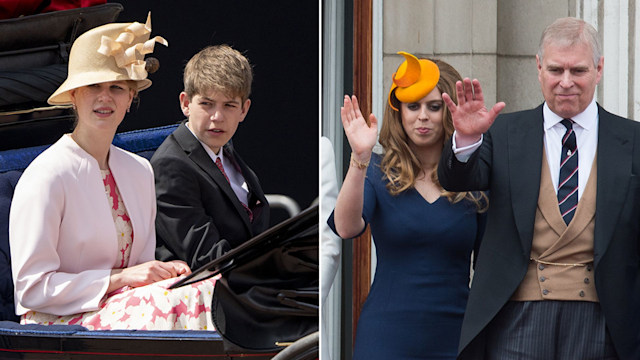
x: 581, y: 293
x: 586, y: 280
x: 545, y: 292
x: 541, y: 266
x: 542, y: 278
x: 588, y: 267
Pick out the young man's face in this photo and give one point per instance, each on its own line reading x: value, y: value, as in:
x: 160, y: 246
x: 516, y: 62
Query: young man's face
x: 214, y: 117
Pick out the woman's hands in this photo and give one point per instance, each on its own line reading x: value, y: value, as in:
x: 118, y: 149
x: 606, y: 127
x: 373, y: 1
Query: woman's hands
x: 147, y: 273
x: 362, y: 136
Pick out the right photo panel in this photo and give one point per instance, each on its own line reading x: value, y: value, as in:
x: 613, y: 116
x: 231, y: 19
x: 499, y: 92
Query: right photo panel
x: 478, y: 167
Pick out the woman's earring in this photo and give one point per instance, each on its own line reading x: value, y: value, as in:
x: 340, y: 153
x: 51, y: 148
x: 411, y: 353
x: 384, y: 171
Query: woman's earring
x: 73, y: 106
x: 128, y: 109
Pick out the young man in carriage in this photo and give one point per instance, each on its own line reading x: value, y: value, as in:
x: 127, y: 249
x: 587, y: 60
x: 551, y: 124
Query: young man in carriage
x: 208, y: 199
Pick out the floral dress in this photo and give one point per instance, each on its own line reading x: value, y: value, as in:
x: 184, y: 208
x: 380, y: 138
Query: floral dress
x: 150, y: 307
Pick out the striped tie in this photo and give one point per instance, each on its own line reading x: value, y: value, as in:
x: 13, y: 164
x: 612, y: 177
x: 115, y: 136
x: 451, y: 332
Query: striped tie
x: 568, y: 180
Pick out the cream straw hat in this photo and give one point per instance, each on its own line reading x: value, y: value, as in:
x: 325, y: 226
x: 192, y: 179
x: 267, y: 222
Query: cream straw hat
x: 110, y: 52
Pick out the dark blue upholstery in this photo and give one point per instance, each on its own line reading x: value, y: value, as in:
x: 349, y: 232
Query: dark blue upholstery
x: 34, y: 329
x: 8, y: 182
x: 143, y: 142
x: 12, y: 164
x: 11, y: 327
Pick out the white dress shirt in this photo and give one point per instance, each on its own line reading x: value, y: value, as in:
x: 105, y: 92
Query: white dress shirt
x: 586, y: 129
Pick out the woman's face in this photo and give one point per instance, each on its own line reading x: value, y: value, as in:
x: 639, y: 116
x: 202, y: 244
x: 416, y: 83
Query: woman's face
x: 103, y: 105
x: 422, y: 121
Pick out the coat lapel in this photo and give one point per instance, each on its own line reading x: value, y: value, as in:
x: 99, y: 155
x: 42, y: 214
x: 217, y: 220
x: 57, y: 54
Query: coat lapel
x: 525, y: 144
x: 196, y: 153
x: 256, y: 195
x: 615, y: 145
x: 133, y: 198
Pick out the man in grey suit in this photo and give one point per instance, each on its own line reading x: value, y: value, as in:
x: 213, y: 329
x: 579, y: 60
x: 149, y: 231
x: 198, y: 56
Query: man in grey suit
x: 558, y: 271
x: 208, y: 199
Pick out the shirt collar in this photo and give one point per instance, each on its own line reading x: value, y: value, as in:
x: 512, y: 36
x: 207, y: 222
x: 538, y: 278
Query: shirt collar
x: 206, y: 147
x: 586, y: 119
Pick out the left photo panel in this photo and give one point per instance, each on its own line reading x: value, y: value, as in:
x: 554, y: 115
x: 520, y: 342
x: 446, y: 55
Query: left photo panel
x: 159, y: 179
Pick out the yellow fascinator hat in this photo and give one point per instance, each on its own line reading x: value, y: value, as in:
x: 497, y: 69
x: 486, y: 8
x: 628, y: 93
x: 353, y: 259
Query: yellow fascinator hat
x: 414, y: 79
x: 110, y: 52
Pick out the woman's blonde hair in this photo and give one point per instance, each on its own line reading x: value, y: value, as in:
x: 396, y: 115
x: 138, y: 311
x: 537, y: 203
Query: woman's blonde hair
x: 399, y: 164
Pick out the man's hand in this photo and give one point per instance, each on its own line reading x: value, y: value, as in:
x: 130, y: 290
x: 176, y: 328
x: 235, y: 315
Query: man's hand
x: 470, y: 117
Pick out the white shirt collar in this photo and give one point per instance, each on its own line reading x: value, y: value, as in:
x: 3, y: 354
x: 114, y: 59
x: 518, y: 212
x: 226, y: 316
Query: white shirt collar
x: 586, y: 119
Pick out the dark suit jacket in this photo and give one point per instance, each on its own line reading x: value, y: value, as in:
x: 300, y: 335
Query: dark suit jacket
x: 196, y: 205
x: 508, y: 163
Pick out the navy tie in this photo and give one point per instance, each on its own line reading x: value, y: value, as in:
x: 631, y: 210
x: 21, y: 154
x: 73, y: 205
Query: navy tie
x: 568, y: 180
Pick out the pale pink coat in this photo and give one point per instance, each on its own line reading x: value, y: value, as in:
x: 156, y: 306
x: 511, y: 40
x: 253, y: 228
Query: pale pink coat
x: 61, y: 232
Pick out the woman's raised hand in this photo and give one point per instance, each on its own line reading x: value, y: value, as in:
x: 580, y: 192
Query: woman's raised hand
x: 470, y: 117
x: 362, y: 136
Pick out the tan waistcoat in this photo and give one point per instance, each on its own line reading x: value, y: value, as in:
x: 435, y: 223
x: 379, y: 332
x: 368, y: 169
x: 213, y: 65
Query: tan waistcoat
x: 561, y: 265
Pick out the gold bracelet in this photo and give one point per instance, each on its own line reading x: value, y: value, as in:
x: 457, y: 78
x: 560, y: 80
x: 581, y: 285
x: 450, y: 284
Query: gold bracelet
x: 358, y: 164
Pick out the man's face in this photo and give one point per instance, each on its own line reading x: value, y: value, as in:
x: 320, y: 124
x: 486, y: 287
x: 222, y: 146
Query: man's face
x: 568, y: 78
x: 214, y: 117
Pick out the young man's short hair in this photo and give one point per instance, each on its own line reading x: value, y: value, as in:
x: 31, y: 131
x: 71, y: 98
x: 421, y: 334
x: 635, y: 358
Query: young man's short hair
x: 218, y: 68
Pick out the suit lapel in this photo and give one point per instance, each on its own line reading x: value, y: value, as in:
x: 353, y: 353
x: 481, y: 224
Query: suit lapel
x: 615, y: 145
x: 196, y: 153
x: 525, y: 144
x: 256, y: 196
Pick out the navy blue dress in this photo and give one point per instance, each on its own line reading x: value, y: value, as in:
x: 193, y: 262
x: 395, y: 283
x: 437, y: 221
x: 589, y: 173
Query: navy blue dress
x: 417, y: 300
